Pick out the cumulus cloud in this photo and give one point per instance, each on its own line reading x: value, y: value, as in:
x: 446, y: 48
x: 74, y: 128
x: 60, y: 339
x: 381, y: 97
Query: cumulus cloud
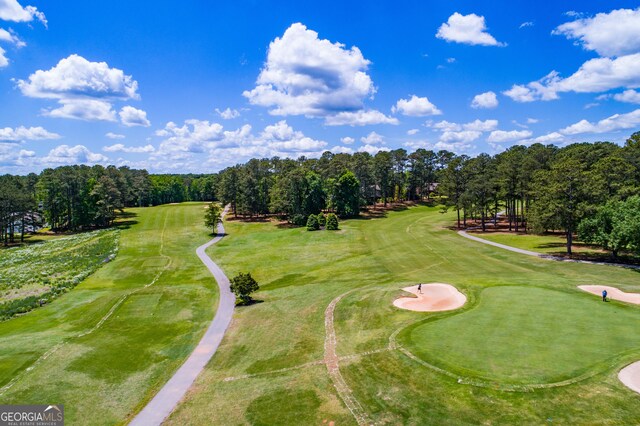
x: 79, y: 154
x: 508, y: 136
x: 412, y: 132
x: 112, y: 135
x: 347, y: 140
x: 629, y: 96
x: 372, y: 138
x: 445, y: 125
x: 532, y: 120
x: 23, y: 134
x: 464, y: 136
x: 615, y: 122
x: 306, y: 75
x: 130, y: 116
x: 11, y: 37
x: 415, y: 107
x: 372, y: 149
x: 481, y: 126
x: 467, y: 29
x: 609, y: 34
x: 82, y: 109
x: 75, y: 77
x: 595, y: 75
x: 359, y: 118
x: 12, y: 157
x: 228, y: 113
x: 10, y: 10
x: 553, y: 137
x: 485, y: 100
x: 129, y: 149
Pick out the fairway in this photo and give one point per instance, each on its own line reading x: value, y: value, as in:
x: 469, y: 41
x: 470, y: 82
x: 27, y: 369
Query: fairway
x: 107, y: 346
x: 277, y: 347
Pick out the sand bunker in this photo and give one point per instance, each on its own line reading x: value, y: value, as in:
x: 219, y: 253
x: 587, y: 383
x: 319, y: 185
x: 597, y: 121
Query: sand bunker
x: 630, y: 376
x: 434, y: 297
x: 612, y: 293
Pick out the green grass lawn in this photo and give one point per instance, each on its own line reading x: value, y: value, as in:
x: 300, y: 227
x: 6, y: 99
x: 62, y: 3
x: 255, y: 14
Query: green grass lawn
x: 547, y: 243
x: 300, y: 273
x: 107, y: 346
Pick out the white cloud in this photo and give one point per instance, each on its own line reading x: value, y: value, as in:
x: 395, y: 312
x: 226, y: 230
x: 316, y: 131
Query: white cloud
x: 446, y: 126
x: 359, y: 118
x: 451, y: 60
x: 595, y: 75
x: 4, y: 61
x: 130, y: 149
x: 10, y: 10
x: 532, y: 120
x: 305, y: 75
x: 508, y: 136
x: 609, y: 34
x: 615, y: 122
x: 11, y: 37
x: 372, y: 149
x: 372, y: 138
x: 468, y: 29
x: 82, y: 109
x: 228, y: 113
x: 79, y: 154
x: 347, y: 140
x: 112, y: 135
x: 341, y: 150
x: 553, y: 137
x: 130, y: 116
x: 412, y: 132
x: 630, y: 96
x: 283, y: 138
x: 75, y: 77
x: 23, y: 133
x: 485, y: 100
x: 464, y: 136
x: 416, y: 107
x: 526, y: 24
x: 481, y: 126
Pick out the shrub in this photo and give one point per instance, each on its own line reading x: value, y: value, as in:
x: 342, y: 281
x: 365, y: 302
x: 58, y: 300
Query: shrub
x: 242, y: 285
x: 322, y: 219
x: 298, y: 219
x: 312, y: 223
x: 332, y: 222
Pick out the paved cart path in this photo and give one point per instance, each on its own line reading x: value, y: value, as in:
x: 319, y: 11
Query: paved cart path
x: 165, y: 401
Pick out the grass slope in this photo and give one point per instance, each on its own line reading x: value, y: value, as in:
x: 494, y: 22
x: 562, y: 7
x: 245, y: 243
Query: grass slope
x: 104, y: 348
x: 300, y: 273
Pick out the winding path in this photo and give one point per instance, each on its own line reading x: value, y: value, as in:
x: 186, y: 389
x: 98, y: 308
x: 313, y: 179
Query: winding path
x: 166, y: 400
x: 542, y: 255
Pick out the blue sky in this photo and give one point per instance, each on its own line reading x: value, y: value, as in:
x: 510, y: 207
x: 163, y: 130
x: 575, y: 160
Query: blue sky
x: 198, y: 86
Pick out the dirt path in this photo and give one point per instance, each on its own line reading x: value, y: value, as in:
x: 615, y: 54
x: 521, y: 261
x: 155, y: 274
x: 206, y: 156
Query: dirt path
x: 331, y: 360
x: 542, y: 255
x: 166, y: 400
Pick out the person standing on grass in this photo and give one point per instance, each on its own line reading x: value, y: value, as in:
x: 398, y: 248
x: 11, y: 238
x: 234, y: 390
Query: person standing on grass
x: 604, y: 295
x: 420, y: 288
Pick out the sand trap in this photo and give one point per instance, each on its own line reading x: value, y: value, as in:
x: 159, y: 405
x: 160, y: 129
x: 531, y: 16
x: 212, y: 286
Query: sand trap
x: 612, y: 293
x: 435, y: 297
x: 630, y: 376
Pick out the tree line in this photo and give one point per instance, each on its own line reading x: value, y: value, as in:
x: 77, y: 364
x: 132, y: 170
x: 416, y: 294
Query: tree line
x: 537, y: 187
x: 73, y: 198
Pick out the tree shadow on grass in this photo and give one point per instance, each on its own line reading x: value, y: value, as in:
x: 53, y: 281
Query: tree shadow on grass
x: 249, y: 303
x: 124, y: 220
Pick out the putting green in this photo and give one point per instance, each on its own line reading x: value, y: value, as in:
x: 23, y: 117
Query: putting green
x: 525, y: 335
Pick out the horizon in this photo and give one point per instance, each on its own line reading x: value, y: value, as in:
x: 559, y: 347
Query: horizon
x: 199, y: 88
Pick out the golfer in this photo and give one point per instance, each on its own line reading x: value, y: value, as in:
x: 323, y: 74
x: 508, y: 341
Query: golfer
x: 604, y: 295
x: 420, y: 288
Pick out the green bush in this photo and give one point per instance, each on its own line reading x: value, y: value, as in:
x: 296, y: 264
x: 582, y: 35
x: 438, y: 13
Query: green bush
x: 312, y: 223
x: 322, y: 219
x: 332, y: 222
x: 298, y: 219
x: 242, y: 285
